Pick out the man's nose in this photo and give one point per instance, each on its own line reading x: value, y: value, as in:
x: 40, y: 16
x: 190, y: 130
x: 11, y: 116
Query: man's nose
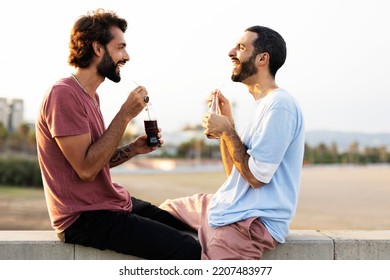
x: 232, y: 53
x: 126, y: 56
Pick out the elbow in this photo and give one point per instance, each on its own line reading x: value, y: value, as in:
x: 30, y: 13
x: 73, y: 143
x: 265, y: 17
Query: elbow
x: 87, y: 176
x: 252, y: 180
x: 254, y: 183
x: 258, y: 185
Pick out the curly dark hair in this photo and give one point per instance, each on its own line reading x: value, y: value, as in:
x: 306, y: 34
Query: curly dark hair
x: 95, y: 26
x: 271, y: 42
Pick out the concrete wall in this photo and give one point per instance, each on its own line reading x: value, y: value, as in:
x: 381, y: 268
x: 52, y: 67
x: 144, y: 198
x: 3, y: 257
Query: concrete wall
x: 300, y: 245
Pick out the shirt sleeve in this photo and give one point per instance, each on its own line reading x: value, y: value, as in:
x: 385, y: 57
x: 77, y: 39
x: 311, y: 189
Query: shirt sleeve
x: 65, y: 113
x: 270, y: 142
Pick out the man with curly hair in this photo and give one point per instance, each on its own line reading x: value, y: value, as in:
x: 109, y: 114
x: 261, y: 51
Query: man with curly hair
x: 76, y: 152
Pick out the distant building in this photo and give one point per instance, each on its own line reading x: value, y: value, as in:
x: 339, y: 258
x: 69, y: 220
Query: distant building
x: 11, y: 113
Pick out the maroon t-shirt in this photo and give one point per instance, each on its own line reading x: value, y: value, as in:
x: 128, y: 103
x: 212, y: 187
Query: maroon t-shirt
x: 67, y: 110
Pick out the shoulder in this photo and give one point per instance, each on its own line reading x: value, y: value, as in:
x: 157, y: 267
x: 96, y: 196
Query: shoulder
x: 282, y: 99
x: 63, y: 85
x: 62, y: 95
x: 64, y: 90
x: 280, y: 96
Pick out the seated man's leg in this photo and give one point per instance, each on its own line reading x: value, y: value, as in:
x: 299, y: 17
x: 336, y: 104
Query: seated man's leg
x: 131, y: 234
x: 148, y: 210
x: 191, y: 210
x: 244, y: 240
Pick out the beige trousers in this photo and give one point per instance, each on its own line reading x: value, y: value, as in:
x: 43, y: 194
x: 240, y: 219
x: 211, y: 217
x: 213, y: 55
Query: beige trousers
x: 243, y: 240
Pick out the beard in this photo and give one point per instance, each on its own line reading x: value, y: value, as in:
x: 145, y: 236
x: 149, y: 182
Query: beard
x: 107, y: 68
x: 248, y: 68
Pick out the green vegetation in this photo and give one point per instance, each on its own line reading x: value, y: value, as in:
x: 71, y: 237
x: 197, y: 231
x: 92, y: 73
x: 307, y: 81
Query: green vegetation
x: 20, y: 171
x: 323, y: 154
x: 18, y: 157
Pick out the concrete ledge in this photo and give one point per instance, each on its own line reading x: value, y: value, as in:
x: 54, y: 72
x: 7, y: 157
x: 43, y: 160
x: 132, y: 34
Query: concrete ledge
x: 303, y: 245
x: 300, y: 245
x: 360, y: 244
x: 33, y: 245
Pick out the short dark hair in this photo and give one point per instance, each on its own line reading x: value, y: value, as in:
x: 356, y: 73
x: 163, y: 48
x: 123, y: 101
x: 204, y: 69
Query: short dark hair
x: 271, y: 42
x: 95, y: 26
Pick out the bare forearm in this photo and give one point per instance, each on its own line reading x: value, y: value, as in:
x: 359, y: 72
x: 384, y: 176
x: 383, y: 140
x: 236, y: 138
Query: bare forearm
x: 226, y: 158
x: 122, y: 155
x: 101, y: 152
x: 237, y: 153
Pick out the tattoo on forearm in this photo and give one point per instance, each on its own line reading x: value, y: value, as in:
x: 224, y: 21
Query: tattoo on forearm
x: 121, y: 154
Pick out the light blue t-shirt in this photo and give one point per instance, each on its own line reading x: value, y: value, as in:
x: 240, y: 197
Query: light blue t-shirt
x: 275, y: 140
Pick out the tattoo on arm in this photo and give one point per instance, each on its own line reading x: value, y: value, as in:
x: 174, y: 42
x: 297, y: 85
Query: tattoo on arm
x: 121, y: 154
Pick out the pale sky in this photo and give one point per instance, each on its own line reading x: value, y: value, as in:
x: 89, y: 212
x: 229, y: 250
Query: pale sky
x: 337, y: 63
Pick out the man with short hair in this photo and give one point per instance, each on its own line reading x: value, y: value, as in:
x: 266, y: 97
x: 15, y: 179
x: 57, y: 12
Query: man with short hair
x: 252, y: 210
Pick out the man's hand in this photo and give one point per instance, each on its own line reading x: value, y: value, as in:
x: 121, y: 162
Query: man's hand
x: 134, y: 103
x: 140, y: 147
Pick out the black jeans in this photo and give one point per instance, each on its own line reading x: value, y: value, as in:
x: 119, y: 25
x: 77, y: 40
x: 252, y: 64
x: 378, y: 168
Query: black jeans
x: 147, y: 232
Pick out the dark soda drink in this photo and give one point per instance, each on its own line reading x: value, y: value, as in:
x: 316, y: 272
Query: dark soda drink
x: 151, y: 130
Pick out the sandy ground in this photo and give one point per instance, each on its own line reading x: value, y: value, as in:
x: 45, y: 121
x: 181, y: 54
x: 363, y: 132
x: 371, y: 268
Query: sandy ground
x: 330, y: 198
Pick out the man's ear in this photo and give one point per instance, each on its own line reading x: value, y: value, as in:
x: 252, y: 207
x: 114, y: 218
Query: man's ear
x: 262, y: 58
x: 98, y: 48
